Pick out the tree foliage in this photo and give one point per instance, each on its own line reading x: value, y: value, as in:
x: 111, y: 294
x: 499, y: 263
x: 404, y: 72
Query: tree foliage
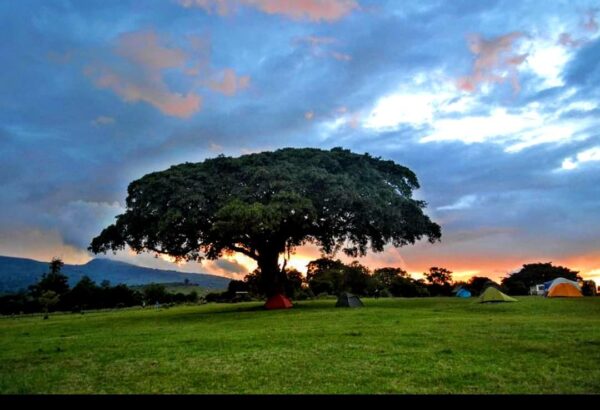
x: 54, y: 281
x: 265, y: 205
x: 440, y: 281
x: 384, y: 277
x: 477, y: 284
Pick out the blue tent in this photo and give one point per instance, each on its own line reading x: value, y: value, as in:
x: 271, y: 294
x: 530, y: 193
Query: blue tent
x: 463, y: 293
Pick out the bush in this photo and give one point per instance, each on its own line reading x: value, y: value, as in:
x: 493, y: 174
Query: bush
x: 385, y: 294
x: 213, y: 297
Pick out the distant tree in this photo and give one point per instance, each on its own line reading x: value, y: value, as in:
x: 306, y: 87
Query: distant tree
x: 237, y: 286
x: 588, y: 288
x: 294, y: 282
x: 440, y: 281
x: 178, y: 297
x: 256, y: 283
x: 459, y: 284
x: 192, y: 297
x: 123, y: 295
x: 84, y: 295
x: 438, y: 276
x: 356, y: 278
x: 265, y: 205
x: 407, y: 287
x: 478, y: 284
x: 155, y: 292
x: 53, y: 281
x: 56, y: 265
x: 325, y: 275
x: 15, y: 303
x: 518, y: 283
x: 384, y: 277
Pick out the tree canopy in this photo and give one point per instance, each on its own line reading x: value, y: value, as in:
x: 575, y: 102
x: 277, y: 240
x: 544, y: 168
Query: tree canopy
x: 265, y: 205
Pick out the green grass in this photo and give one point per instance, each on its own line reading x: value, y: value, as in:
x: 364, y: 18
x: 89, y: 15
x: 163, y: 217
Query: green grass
x: 429, y: 345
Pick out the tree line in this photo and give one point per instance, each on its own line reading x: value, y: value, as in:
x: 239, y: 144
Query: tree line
x: 53, y: 293
x: 327, y: 276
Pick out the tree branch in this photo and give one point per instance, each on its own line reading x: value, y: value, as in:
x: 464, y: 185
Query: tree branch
x: 244, y: 251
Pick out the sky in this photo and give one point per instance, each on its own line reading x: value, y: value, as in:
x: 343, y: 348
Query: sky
x: 493, y: 104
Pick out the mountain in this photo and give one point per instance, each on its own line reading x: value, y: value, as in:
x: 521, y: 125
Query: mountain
x: 18, y: 273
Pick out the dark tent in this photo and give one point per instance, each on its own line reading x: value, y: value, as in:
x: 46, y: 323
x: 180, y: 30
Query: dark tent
x: 278, y: 302
x: 348, y: 300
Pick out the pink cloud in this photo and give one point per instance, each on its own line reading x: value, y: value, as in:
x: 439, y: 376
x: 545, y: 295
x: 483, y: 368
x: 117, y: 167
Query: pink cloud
x: 144, y: 48
x: 316, y: 40
x: 149, y: 88
x: 229, y: 83
x: 138, y: 73
x: 495, y: 61
x: 315, y: 10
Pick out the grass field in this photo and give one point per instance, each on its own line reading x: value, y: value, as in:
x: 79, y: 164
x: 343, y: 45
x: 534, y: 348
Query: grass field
x: 429, y: 345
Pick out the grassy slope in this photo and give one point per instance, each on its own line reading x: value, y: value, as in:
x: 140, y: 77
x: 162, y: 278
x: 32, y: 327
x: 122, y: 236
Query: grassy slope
x: 431, y: 345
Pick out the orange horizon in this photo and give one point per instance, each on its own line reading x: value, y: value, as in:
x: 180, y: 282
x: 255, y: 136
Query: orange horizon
x: 462, y: 267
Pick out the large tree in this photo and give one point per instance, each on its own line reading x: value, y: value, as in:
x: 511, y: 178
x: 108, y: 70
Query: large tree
x: 265, y: 205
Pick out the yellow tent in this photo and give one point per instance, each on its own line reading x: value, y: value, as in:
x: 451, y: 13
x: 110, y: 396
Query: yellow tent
x: 492, y: 294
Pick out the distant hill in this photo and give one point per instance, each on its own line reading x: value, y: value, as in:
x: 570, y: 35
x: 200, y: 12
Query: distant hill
x: 18, y: 273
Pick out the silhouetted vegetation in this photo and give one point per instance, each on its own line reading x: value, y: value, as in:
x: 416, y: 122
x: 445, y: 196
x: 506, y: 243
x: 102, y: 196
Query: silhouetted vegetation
x: 477, y: 284
x: 440, y: 281
x: 52, y: 293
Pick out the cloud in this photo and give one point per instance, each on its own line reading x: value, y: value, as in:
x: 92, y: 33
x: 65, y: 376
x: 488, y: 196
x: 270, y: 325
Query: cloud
x: 103, y: 120
x: 516, y: 130
x: 495, y: 61
x: 229, y: 83
x: 142, y: 77
x: 80, y: 221
x: 143, y: 61
x: 341, y: 56
x: 314, y: 10
x: 41, y: 245
x: 589, y: 155
x: 417, y: 103
x: 566, y: 39
x: 320, y: 47
x: 590, y: 24
x: 464, y: 202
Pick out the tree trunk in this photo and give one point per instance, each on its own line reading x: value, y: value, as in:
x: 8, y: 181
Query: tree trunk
x: 273, y: 277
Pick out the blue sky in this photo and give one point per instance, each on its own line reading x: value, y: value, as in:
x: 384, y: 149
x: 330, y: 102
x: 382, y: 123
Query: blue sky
x: 494, y: 105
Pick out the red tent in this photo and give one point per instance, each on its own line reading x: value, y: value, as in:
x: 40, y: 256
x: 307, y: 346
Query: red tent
x: 278, y: 302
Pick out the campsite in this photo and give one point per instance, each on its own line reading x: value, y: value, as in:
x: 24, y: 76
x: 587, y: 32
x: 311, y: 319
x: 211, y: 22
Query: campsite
x: 391, y: 345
